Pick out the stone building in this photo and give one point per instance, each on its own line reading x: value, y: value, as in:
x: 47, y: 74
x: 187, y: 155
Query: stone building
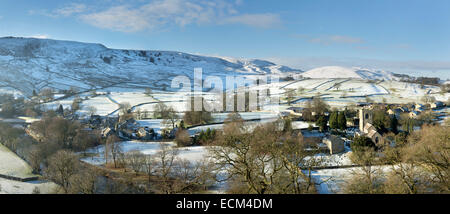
x: 366, y: 128
x: 334, y: 143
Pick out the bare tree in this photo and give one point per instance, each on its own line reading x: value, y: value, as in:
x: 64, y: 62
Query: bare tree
x: 367, y: 179
x: 47, y: 94
x: 428, y: 99
x: 91, y: 110
x: 171, y: 117
x: 113, y: 147
x: 62, y: 166
x: 135, y: 160
x: 35, y: 158
x: 429, y: 148
x: 75, y: 105
x: 191, y: 176
x: 182, y: 138
x: 83, y: 140
x: 290, y: 95
x: 166, y: 159
x: 148, y: 91
x: 85, y: 181
x: 160, y: 110
x: 125, y: 112
x: 149, y: 165
x: 138, y: 114
x: 266, y: 160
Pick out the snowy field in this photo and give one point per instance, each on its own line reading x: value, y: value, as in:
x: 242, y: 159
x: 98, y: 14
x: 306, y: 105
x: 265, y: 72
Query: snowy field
x: 133, y: 98
x: 302, y: 124
x: 16, y: 187
x: 192, y: 154
x: 332, y: 180
x: 66, y: 103
x: 220, y: 117
x: 249, y: 126
x: 102, y: 104
x: 164, y: 97
x: 177, y: 106
x: 349, y: 91
x: 8, y: 90
x: 155, y: 124
x: 13, y: 165
x: 345, y: 92
x: 308, y: 84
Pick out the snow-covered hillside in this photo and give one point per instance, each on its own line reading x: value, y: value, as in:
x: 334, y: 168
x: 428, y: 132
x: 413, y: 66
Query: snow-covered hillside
x: 28, y: 64
x: 343, y: 72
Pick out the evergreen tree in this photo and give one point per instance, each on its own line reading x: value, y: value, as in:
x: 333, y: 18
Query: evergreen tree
x: 380, y: 120
x: 182, y: 125
x: 342, y: 121
x: 394, y: 124
x: 34, y: 93
x: 361, y: 142
x: 322, y: 123
x: 334, y: 120
x: 60, y: 110
x: 408, y: 125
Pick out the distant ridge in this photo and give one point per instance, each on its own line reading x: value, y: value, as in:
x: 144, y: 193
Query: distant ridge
x: 345, y: 72
x: 28, y: 64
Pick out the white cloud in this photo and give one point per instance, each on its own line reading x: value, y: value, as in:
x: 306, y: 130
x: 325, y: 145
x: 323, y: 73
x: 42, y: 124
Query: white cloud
x: 68, y: 10
x: 336, y: 39
x: 71, y: 9
x: 266, y: 20
x: 118, y: 18
x: 166, y: 13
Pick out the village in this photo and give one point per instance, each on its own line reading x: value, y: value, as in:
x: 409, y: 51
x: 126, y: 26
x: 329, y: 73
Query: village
x: 155, y: 118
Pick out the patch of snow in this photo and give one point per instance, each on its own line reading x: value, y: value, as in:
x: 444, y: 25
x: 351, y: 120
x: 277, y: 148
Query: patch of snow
x: 13, y: 165
x: 343, y: 72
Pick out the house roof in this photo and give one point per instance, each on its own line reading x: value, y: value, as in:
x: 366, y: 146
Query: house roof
x: 334, y: 138
x: 372, y: 133
x: 402, y: 109
x: 368, y: 127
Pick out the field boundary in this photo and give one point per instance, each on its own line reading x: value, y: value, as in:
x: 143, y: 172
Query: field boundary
x: 9, y: 177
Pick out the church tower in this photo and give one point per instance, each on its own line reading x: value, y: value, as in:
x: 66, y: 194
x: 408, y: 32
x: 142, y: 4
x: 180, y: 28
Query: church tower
x: 365, y: 116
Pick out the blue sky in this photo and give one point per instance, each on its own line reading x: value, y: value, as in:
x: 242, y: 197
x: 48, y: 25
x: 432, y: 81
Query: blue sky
x: 405, y: 36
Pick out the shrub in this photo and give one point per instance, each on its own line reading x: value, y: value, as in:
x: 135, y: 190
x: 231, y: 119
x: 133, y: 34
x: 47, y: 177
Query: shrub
x: 361, y: 142
x: 206, y: 137
x: 182, y: 138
